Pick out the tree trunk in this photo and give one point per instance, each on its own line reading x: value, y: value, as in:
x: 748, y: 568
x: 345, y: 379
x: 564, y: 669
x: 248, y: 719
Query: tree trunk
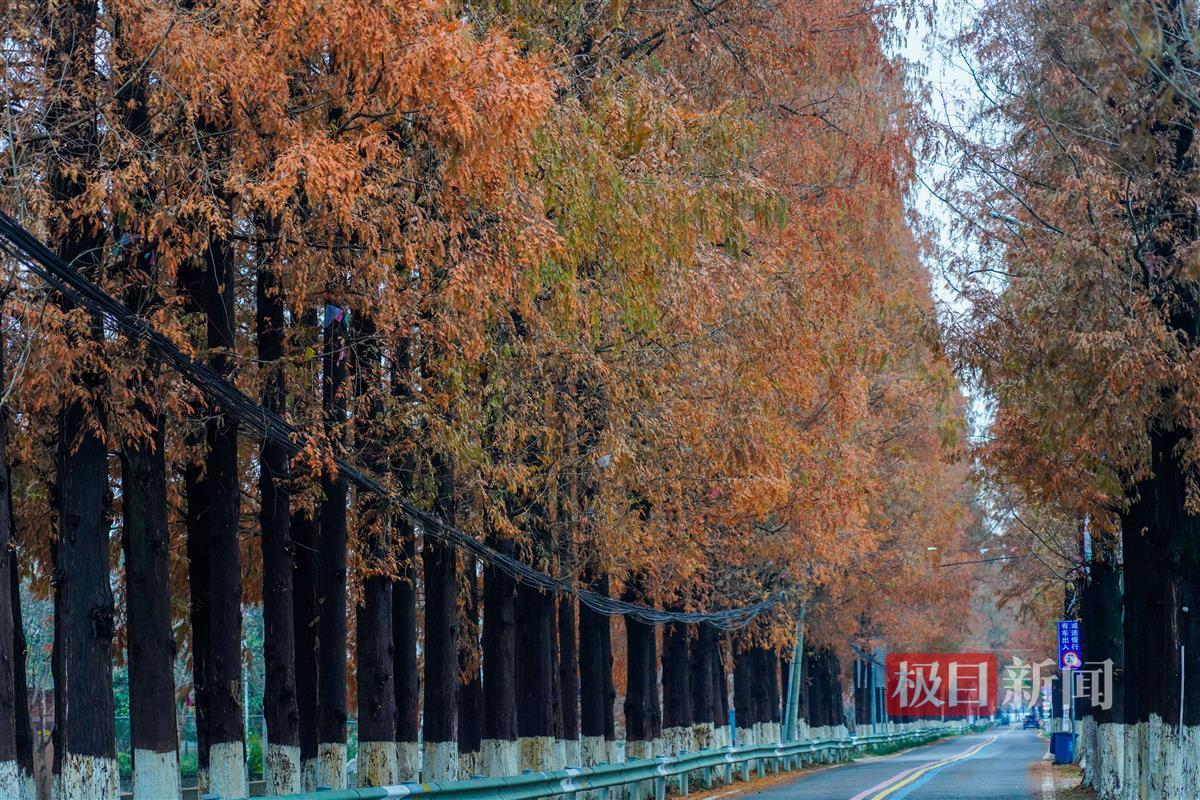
x: 535, y: 678
x: 1104, y: 641
x: 281, y: 763
x: 499, y: 752
x: 1162, y: 612
x: 643, y: 715
x: 470, y: 688
x: 23, y: 724
x: 151, y: 643
x: 702, y: 684
x: 406, y: 676
x: 744, y: 709
x: 441, y: 638
x: 676, y: 689
x: 375, y: 651
x: 305, y: 530
x: 720, y: 692
x: 196, y: 521
x: 331, y: 569
x: 227, y: 760
x: 84, y: 597
x: 10, y: 773
x: 594, y: 668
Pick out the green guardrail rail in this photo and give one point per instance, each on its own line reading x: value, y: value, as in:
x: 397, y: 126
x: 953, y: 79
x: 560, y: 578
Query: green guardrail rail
x: 645, y: 778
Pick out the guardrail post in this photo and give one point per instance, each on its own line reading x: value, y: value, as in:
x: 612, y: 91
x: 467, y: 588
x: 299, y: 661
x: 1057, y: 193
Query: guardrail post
x: 708, y: 778
x: 660, y: 788
x: 746, y: 771
x: 683, y: 784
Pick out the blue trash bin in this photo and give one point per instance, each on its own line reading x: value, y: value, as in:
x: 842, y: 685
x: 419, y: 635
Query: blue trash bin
x: 1062, y: 745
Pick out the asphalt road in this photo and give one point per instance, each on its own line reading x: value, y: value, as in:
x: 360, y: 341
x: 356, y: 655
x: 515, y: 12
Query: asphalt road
x: 995, y: 765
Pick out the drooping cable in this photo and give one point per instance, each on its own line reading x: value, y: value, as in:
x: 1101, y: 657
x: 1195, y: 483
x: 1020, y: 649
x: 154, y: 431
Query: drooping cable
x: 30, y: 252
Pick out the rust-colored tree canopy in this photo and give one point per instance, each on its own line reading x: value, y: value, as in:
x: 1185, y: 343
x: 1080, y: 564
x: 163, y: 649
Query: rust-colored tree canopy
x: 626, y: 289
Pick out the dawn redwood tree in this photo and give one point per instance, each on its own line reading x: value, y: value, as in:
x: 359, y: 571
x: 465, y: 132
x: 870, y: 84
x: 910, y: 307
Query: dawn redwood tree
x: 150, y: 640
x: 643, y: 711
x: 85, y: 728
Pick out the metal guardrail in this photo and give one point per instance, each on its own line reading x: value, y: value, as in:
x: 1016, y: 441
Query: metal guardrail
x: 642, y: 776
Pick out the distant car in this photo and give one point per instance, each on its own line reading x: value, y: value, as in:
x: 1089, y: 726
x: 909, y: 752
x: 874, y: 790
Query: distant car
x: 1004, y: 719
x: 1032, y: 721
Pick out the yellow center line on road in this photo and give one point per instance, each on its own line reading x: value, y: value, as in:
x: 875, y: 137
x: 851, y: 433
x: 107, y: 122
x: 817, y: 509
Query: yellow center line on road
x: 935, y: 765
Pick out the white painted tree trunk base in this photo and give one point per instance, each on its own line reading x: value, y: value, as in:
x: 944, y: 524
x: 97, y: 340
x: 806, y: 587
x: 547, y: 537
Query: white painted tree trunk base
x: 593, y: 750
x: 89, y: 778
x: 660, y: 746
x: 331, y: 765
x: 10, y: 779
x: 615, y: 755
x: 640, y: 749
x: 499, y: 758
x: 281, y: 769
x: 408, y: 762
x: 721, y: 736
x: 28, y: 786
x: 745, y: 736
x: 537, y: 752
x: 227, y: 770
x: 155, y: 774
x: 1131, y: 775
x: 470, y: 765
x: 309, y: 767
x: 1109, y: 764
x: 558, y: 760
x: 703, y: 736
x: 376, y: 763
x: 441, y: 762
x: 677, y: 740
x: 574, y: 752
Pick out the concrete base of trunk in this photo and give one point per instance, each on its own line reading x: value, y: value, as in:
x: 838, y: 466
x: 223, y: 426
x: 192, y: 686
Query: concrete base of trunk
x: 10, y: 779
x: 408, y: 762
x: 593, y: 750
x: 573, y: 753
x: 441, y: 762
x: 331, y: 764
x: 537, y: 752
x: 154, y: 774
x: 376, y: 763
x: 470, y: 765
x: 227, y: 770
x: 281, y: 769
x: 308, y: 774
x: 499, y: 758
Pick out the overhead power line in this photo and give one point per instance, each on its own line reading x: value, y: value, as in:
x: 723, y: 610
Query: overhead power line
x: 30, y: 252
